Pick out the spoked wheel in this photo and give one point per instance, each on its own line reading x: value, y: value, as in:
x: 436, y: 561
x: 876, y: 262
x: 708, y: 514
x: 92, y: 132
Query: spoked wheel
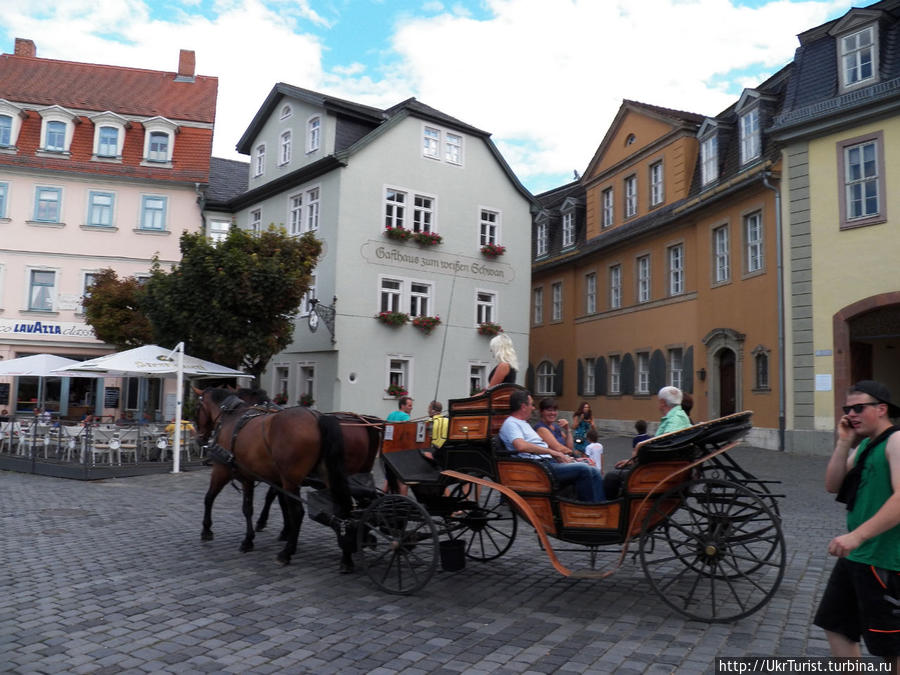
x: 485, y: 519
x: 745, y: 478
x: 712, y: 550
x: 398, y: 544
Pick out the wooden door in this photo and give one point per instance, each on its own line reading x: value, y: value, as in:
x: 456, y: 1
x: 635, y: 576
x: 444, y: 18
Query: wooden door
x: 727, y: 383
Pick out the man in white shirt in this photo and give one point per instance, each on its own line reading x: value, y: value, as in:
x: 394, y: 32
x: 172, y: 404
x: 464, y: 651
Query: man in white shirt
x: 523, y: 441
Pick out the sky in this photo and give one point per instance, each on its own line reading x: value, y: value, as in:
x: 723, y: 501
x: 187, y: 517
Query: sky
x: 544, y: 77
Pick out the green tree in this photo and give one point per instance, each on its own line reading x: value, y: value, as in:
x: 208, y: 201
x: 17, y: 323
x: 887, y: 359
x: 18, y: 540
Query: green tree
x: 114, y: 309
x: 233, y: 302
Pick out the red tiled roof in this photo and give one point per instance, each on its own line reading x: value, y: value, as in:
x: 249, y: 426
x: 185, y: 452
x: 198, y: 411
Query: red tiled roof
x: 127, y: 91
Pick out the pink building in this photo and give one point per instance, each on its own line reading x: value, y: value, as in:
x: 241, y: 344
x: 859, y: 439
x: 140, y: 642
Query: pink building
x: 100, y: 167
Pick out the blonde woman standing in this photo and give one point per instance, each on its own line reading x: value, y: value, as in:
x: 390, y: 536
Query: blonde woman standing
x: 507, y: 363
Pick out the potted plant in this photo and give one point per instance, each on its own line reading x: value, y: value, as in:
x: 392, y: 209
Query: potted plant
x: 392, y: 318
x: 493, y: 250
x: 306, y: 400
x: 399, y: 233
x: 396, y: 390
x: 426, y: 324
x: 427, y: 238
x: 489, y: 328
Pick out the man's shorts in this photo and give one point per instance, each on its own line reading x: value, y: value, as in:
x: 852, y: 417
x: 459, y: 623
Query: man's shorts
x: 862, y: 600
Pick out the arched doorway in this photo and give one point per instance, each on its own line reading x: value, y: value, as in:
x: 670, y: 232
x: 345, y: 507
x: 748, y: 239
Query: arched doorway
x: 725, y: 366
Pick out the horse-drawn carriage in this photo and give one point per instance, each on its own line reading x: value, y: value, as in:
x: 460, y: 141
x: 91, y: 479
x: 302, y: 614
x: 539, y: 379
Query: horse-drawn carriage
x: 707, y: 532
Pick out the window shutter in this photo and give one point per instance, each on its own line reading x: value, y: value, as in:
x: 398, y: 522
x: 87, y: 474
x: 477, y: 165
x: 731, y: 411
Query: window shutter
x: 626, y: 374
x: 579, y: 390
x: 687, y: 370
x: 559, y: 378
x: 529, y: 378
x: 657, y: 371
x: 600, y: 376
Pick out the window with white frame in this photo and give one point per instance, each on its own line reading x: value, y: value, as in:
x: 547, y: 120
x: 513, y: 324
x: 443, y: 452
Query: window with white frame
x: 750, y: 145
x: 643, y: 278
x: 431, y: 143
x: 159, y: 140
x: 568, y: 229
x: 394, y: 208
x: 721, y: 255
x: 541, y: 240
x: 615, y: 286
x: 285, y: 147
x: 217, y: 230
x: 858, y: 57
x: 47, y: 204
x: 100, y: 208
x: 399, y: 373
x: 419, y: 298
x: 676, y: 378
x: 87, y: 282
x: 159, y: 147
x: 305, y: 306
x: 55, y: 137
x: 753, y: 238
x: 676, y: 269
x: 608, y: 207
x: 861, y: 181
x: 590, y: 293
x: 410, y: 296
x: 615, y: 374
x: 312, y: 210
x: 630, y: 196
x: 590, y: 372
x: 423, y: 213
x: 4, y: 197
x: 286, y: 112
x: 307, y: 380
x: 259, y: 160
x: 485, y: 307
x: 642, y: 383
x: 538, y: 309
x: 282, y: 380
x: 107, y: 141
x: 303, y: 212
x: 153, y: 212
x: 57, y: 127
x: 5, y: 130
x: 390, y: 294
x: 556, y: 301
x: 546, y: 379
x: 109, y: 135
x: 453, y: 148
x: 313, y: 133
x: 295, y: 214
x: 657, y: 187
x: 489, y: 227
x: 41, y: 290
x: 256, y: 221
x: 477, y: 377
x: 709, y: 159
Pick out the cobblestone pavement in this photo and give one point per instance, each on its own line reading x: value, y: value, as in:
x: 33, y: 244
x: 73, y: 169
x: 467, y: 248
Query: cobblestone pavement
x: 111, y: 577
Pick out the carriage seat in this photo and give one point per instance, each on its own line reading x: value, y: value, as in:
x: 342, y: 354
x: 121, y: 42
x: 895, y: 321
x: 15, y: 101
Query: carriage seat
x: 412, y: 467
x: 693, y: 441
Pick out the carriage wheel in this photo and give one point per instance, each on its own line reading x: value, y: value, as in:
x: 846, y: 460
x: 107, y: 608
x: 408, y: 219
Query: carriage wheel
x: 745, y: 478
x: 485, y: 519
x: 712, y: 550
x: 398, y: 544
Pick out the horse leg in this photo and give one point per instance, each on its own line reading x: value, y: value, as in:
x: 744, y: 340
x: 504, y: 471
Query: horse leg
x: 247, y: 544
x: 347, y: 542
x: 217, y: 479
x: 293, y: 517
x: 263, y: 519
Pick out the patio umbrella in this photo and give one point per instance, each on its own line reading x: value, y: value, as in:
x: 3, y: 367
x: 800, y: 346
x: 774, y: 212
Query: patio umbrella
x: 41, y: 366
x: 155, y: 360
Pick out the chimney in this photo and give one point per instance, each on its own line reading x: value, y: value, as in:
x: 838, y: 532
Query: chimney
x: 186, y: 62
x: 25, y: 48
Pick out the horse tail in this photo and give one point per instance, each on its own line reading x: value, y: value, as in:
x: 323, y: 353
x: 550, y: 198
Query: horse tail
x: 332, y: 443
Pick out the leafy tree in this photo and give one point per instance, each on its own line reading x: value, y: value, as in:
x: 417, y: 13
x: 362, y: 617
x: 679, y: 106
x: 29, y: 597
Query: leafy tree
x: 113, y: 307
x: 233, y: 302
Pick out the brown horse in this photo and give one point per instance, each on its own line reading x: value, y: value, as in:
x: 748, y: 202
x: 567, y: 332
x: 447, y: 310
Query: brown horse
x: 283, y: 449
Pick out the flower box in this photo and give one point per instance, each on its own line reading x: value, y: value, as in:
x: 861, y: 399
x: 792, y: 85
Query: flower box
x: 493, y: 250
x: 426, y: 324
x: 307, y: 400
x: 427, y: 238
x: 392, y: 318
x: 489, y: 328
x: 396, y: 390
x: 398, y: 233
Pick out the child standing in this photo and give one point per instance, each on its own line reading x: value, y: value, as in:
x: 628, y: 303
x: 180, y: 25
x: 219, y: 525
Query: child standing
x: 594, y: 450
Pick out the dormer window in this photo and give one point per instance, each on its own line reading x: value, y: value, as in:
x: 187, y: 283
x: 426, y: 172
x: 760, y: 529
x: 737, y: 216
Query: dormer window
x: 109, y: 135
x: 107, y: 142
x: 568, y: 229
x: 542, y: 239
x: 5, y: 130
x: 858, y: 57
x: 159, y: 141
x: 709, y: 159
x: 10, y: 123
x: 750, y: 145
x: 57, y: 126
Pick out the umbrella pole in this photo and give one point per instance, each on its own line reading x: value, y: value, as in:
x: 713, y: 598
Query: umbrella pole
x: 179, y: 387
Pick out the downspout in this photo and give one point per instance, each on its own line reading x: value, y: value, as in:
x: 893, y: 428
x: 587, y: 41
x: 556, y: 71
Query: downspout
x: 779, y: 264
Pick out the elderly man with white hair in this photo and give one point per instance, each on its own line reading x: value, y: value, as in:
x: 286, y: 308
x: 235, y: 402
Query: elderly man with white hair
x: 673, y: 417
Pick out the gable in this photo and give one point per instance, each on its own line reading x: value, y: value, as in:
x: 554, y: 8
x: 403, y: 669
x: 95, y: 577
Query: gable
x: 631, y: 132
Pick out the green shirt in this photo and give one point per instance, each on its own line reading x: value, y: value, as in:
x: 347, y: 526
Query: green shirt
x: 398, y: 416
x: 674, y: 420
x: 874, y: 490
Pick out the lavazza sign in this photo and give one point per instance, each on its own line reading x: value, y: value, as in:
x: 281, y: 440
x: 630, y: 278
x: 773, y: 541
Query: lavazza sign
x: 10, y: 328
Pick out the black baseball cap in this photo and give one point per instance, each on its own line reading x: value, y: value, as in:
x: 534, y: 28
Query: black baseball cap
x: 879, y: 392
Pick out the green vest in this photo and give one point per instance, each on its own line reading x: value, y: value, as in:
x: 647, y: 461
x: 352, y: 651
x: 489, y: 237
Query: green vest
x: 874, y: 490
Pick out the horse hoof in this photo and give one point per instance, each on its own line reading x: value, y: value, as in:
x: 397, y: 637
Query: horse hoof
x: 282, y: 560
x: 206, y: 536
x: 260, y: 527
x: 282, y: 536
x: 246, y: 548
x: 347, y: 569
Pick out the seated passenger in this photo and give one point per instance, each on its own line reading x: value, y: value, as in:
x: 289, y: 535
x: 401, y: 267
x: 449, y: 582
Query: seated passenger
x: 523, y: 441
x: 555, y: 432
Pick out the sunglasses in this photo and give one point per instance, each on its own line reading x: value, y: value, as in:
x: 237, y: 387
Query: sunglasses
x: 858, y: 407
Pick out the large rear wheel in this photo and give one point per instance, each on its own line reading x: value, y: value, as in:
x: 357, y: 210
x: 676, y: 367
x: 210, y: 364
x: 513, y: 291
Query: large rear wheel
x: 484, y: 520
x: 398, y: 544
x: 718, y: 556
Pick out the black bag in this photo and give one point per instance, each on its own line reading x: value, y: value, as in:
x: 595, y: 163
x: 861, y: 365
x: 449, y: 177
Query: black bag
x: 850, y: 484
